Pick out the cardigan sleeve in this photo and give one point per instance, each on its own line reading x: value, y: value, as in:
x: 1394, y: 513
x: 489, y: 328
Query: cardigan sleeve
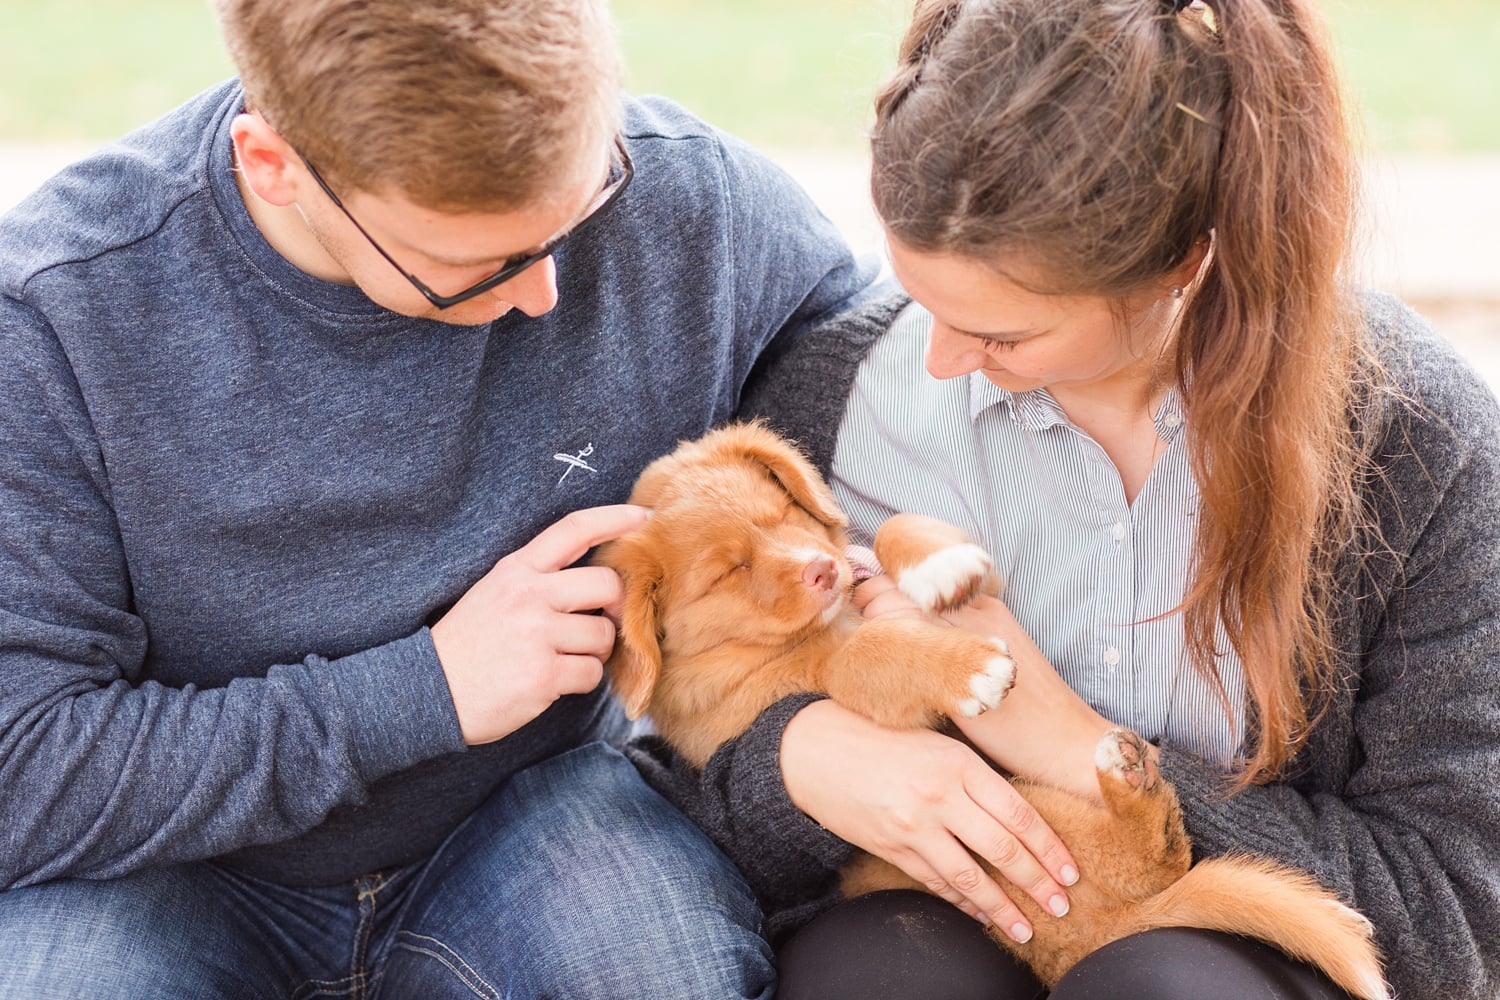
x: 790, y: 862
x: 1395, y: 803
x: 802, y: 392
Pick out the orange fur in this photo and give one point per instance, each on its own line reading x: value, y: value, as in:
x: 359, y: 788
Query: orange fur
x: 737, y: 595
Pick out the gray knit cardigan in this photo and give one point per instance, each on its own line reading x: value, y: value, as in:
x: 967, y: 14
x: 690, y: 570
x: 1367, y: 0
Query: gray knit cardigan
x: 1395, y: 801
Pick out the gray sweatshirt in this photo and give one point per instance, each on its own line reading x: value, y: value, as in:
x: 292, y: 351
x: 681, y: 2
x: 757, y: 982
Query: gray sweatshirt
x: 233, y: 497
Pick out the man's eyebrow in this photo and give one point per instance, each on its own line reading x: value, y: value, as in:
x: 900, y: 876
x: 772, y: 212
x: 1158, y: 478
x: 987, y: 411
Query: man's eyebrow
x: 496, y: 262
x: 499, y: 262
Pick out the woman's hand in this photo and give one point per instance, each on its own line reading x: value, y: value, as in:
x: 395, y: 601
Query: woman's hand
x: 1043, y: 730
x: 916, y: 799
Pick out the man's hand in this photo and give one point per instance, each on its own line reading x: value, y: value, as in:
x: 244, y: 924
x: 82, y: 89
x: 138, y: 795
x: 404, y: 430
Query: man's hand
x: 525, y: 634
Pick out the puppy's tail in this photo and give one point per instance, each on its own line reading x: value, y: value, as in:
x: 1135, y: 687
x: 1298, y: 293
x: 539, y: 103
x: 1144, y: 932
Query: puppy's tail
x: 1260, y: 899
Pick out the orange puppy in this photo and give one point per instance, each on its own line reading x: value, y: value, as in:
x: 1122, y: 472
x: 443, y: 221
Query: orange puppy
x: 737, y: 594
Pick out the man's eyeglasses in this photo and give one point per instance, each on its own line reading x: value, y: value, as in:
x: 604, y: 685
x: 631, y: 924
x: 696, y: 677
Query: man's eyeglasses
x: 620, y: 172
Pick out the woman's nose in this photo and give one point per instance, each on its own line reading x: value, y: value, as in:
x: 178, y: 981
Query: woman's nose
x: 950, y: 354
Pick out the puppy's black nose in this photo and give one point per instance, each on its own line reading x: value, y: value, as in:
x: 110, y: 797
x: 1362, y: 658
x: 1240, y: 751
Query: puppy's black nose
x: 821, y: 573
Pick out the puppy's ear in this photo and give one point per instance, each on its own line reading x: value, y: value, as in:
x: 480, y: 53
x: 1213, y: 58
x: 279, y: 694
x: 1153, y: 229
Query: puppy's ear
x: 789, y: 467
x: 635, y: 664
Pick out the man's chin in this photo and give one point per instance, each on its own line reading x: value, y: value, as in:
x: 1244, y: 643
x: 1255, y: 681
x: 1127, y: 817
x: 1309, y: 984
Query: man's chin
x: 463, y: 314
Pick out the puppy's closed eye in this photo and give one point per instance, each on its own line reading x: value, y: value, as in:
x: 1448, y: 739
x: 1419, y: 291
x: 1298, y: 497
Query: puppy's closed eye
x: 730, y: 570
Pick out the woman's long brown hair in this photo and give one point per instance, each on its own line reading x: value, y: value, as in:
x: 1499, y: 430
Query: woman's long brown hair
x: 1102, y: 140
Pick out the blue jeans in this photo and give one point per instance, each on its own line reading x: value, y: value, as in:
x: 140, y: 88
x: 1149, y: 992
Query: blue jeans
x: 574, y: 880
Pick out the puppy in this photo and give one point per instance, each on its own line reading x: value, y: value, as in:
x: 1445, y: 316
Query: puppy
x: 737, y: 594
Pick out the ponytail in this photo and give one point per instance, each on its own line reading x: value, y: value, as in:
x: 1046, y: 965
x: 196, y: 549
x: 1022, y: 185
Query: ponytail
x: 1267, y: 353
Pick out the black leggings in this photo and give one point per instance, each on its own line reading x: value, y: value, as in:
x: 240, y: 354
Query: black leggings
x: 902, y: 944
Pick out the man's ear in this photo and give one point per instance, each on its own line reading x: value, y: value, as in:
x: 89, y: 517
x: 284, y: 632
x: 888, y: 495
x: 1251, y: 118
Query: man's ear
x: 271, y: 168
x: 635, y: 664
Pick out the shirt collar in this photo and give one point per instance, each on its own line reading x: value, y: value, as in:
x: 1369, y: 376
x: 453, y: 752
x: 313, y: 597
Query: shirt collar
x: 1036, y: 410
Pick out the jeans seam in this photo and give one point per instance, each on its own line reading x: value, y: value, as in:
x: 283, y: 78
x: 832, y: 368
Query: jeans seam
x: 422, y: 944
x: 324, y: 988
x: 369, y: 887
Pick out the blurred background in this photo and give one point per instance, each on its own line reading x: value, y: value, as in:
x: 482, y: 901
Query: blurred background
x: 796, y: 77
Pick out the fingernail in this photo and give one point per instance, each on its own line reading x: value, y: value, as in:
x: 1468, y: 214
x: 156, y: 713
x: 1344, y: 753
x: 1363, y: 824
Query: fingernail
x: 1069, y: 874
x: 1058, y: 905
x: 1020, y: 933
x: 983, y: 918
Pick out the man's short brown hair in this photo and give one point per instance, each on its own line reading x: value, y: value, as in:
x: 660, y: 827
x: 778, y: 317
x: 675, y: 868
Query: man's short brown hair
x: 455, y: 104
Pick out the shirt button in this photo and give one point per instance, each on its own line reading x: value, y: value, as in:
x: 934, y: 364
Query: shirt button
x: 1117, y: 532
x: 1172, y: 419
x: 1112, y: 656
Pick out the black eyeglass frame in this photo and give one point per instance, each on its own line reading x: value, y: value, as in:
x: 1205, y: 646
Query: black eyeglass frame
x: 615, y: 186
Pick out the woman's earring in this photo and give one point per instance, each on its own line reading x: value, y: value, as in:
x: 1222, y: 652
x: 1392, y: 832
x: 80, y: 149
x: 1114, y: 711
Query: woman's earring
x: 1176, y: 293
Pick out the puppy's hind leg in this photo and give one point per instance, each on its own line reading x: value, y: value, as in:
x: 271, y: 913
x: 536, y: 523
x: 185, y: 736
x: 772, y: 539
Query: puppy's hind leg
x: 1144, y: 813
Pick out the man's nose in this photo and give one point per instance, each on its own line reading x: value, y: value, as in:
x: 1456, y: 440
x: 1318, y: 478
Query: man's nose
x: 534, y: 290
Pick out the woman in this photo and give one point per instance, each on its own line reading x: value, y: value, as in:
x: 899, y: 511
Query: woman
x: 1239, y: 510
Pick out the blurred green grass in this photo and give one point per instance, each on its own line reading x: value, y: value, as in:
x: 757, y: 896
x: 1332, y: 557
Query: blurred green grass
x: 783, y: 73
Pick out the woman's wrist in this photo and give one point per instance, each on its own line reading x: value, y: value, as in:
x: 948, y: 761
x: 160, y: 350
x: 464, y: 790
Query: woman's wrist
x: 799, y: 745
x: 1053, y: 745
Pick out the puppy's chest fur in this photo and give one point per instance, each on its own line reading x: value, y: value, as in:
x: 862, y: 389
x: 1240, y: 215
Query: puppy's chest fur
x: 704, y: 699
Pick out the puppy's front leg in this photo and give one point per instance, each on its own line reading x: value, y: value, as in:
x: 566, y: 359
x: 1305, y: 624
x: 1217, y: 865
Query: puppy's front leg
x: 910, y: 674
x: 933, y: 562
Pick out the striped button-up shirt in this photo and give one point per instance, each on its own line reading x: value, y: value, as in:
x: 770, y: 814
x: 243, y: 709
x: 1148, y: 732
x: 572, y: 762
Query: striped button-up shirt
x: 1094, y: 579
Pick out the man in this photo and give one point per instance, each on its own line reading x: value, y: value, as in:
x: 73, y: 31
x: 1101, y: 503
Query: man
x: 315, y: 390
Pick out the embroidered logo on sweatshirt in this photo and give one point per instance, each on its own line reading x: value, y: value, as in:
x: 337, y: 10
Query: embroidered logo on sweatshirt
x: 575, y: 461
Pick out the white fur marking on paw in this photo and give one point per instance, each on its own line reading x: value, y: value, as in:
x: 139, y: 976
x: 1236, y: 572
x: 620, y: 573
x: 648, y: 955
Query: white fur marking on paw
x: 990, y: 687
x: 1000, y: 644
x: 937, y: 581
x: 1108, y: 756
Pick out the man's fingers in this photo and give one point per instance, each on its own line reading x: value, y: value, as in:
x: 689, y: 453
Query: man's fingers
x: 591, y: 635
x: 565, y: 541
x: 578, y: 674
x: 584, y: 588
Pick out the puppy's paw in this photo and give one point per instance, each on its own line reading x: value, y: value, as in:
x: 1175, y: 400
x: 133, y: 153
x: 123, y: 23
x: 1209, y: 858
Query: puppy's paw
x: 1122, y: 756
x: 990, y: 686
x: 946, y: 579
